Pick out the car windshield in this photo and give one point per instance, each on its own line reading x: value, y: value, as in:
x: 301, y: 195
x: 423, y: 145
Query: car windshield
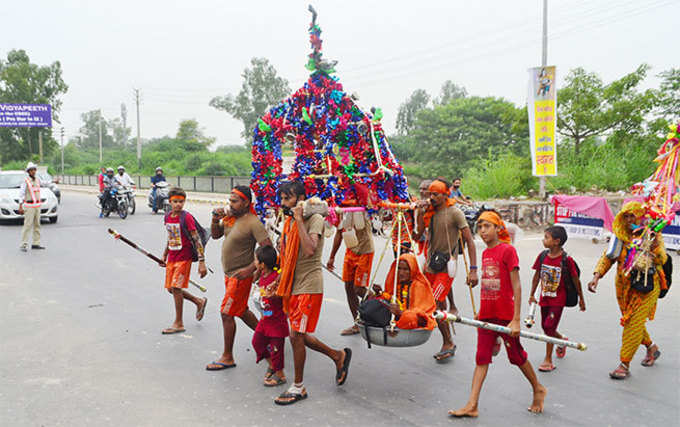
x: 11, y: 180
x: 45, y: 178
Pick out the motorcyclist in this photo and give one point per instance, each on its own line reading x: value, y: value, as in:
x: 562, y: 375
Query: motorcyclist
x: 158, y: 177
x: 123, y: 178
x: 109, y: 182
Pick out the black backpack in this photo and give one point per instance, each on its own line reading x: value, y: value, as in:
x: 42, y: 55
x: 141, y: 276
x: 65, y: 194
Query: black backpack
x: 375, y: 312
x: 202, y: 233
x: 569, y: 285
x: 668, y: 272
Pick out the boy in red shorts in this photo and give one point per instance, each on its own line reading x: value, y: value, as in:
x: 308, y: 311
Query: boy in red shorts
x: 242, y: 231
x: 301, y: 287
x: 548, y: 267
x: 356, y: 267
x: 501, y: 297
x: 444, y: 222
x: 178, y: 258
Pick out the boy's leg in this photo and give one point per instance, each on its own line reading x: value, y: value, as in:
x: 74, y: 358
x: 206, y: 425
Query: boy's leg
x: 337, y: 356
x: 276, y: 360
x: 297, y: 341
x: 550, y: 317
x: 471, y: 407
x: 179, y: 305
x: 518, y: 357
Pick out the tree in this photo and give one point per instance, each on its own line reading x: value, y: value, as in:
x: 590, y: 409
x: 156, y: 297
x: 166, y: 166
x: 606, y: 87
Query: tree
x: 191, y: 136
x: 669, y: 96
x: 589, y: 108
x: 90, y: 131
x: 447, y: 139
x: 449, y: 92
x: 121, y: 132
x: 408, y: 110
x: 27, y: 83
x: 261, y: 89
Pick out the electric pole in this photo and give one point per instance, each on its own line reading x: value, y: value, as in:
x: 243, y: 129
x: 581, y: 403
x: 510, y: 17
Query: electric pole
x: 544, y: 62
x: 100, y: 136
x: 139, y: 140
x: 62, y: 152
x: 40, y: 145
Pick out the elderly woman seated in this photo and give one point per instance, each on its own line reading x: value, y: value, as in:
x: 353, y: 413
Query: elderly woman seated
x: 414, y: 303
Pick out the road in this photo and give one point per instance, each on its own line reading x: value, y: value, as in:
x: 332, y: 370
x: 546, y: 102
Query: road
x: 80, y: 345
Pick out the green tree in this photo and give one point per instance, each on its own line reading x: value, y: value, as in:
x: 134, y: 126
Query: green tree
x: 24, y: 82
x: 408, y: 110
x: 669, y: 96
x: 261, y: 89
x: 449, y: 92
x: 191, y: 136
x: 446, y: 139
x: 89, y: 131
x: 587, y: 107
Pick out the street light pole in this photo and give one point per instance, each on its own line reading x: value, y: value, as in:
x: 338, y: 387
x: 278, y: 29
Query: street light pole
x: 544, y: 62
x: 62, y: 151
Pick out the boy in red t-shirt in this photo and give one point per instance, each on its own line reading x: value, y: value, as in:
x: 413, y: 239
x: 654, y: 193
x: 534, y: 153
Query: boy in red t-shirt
x: 272, y: 329
x: 501, y: 297
x: 178, y: 257
x: 553, y: 291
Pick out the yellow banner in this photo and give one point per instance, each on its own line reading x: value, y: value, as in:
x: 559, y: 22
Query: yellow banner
x: 542, y: 118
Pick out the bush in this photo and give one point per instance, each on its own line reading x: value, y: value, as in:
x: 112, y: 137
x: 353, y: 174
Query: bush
x: 506, y: 175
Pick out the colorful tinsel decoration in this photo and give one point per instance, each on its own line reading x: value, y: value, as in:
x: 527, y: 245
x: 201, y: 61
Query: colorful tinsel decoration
x: 338, y: 146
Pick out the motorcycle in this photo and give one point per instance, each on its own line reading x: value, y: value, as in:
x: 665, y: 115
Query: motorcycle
x: 116, y: 202
x: 162, y: 200
x: 130, y: 191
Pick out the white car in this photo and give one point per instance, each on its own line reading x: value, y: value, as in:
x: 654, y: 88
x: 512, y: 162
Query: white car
x: 10, y: 181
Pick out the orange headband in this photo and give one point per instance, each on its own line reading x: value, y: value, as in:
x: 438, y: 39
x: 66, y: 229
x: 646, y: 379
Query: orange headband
x: 177, y: 197
x: 240, y: 194
x: 438, y: 187
x: 494, y: 218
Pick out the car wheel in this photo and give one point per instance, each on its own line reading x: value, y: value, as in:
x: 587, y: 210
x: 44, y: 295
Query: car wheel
x: 53, y: 219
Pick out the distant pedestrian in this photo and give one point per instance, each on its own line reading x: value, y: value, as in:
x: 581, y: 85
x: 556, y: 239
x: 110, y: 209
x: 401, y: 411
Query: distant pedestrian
x: 29, y: 206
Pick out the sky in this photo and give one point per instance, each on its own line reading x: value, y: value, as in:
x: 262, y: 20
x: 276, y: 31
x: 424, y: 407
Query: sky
x: 182, y: 54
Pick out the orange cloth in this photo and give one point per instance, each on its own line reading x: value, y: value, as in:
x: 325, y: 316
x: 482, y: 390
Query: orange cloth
x: 419, y: 298
x: 356, y: 269
x: 440, y: 283
x: 229, y: 220
x: 289, y: 255
x: 177, y: 274
x: 304, y: 312
x: 494, y: 218
x: 438, y: 187
x: 429, y: 213
x: 236, y: 292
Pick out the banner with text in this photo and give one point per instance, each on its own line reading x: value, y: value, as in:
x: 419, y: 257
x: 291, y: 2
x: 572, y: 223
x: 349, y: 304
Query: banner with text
x: 542, y: 120
x: 578, y: 225
x: 25, y: 115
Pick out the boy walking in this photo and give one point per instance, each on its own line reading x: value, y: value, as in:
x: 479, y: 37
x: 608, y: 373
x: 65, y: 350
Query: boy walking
x: 178, y: 257
x: 548, y: 271
x: 501, y: 297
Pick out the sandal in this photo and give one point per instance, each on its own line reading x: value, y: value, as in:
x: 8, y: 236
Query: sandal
x: 169, y: 331
x: 545, y: 367
x: 288, y: 398
x: 620, y: 373
x: 341, y: 374
x: 445, y: 354
x: 653, y: 353
x: 561, y: 350
x: 218, y: 366
x: 269, y: 373
x: 274, y: 380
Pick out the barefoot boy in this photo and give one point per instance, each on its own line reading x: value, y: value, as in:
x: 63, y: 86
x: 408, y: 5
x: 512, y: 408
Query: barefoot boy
x: 501, y: 298
x: 549, y: 267
x: 178, y: 257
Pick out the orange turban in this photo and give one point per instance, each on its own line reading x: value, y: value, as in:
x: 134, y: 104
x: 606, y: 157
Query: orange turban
x: 438, y: 186
x: 494, y: 218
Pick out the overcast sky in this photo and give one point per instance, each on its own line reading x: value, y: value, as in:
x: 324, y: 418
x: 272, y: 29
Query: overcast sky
x: 181, y: 54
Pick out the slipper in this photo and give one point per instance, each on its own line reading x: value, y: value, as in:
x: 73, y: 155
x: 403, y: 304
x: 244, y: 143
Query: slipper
x: 352, y: 330
x: 547, y: 368
x: 269, y: 373
x: 651, y: 357
x: 274, y: 380
x: 169, y: 331
x: 561, y: 350
x: 294, y: 397
x: 620, y: 373
x: 445, y: 354
x: 341, y: 374
x: 200, y: 312
x: 220, y: 366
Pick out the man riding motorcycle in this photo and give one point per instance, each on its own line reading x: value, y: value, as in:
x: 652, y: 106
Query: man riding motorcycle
x: 109, y: 182
x: 123, y: 178
x: 155, y: 180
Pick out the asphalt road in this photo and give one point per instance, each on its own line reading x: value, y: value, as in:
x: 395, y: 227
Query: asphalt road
x: 80, y: 345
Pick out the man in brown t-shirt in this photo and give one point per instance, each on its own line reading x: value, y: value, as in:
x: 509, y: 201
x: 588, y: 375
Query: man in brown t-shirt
x: 242, y: 231
x: 303, y: 302
x: 444, y: 222
x: 356, y: 268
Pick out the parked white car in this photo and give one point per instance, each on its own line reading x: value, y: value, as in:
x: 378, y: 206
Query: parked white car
x: 10, y: 181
